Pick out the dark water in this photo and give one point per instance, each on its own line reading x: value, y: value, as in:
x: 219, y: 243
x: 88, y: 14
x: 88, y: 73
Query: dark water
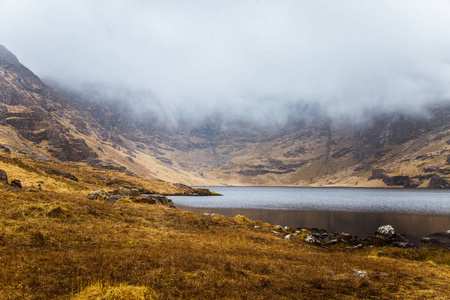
x: 415, y: 213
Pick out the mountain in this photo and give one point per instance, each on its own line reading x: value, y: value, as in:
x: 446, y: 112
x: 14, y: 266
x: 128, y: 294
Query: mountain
x: 49, y: 121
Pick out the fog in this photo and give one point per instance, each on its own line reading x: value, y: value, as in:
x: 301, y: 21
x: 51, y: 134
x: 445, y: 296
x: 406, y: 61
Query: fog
x: 254, y: 60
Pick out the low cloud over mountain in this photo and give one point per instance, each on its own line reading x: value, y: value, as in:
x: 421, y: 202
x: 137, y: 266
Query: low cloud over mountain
x: 258, y: 60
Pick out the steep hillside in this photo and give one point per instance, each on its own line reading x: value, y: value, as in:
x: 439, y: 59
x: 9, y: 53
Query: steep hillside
x: 64, y: 125
x: 37, y: 121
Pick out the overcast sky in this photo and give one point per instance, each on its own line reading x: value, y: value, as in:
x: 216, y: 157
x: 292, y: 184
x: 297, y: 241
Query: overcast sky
x: 245, y: 58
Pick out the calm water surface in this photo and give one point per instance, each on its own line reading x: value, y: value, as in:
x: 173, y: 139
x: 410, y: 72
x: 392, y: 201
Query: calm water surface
x: 415, y: 213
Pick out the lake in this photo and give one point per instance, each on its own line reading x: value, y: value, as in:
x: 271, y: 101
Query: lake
x: 415, y: 213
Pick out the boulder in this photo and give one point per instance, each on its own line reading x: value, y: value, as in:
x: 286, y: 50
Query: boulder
x: 155, y: 199
x: 5, y: 149
x: 113, y: 198
x: 386, y: 236
x: 16, y: 183
x: 437, y: 240
x: 96, y: 195
x: 3, y: 176
x: 146, y: 200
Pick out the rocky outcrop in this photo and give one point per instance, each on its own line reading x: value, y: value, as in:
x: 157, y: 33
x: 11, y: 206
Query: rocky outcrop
x: 132, y: 195
x: 437, y: 182
x: 386, y: 236
x: 437, y: 240
x: 400, y: 180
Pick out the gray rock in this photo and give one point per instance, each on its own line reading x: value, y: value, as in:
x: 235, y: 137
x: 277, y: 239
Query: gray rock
x: 359, y: 273
x: 16, y: 183
x: 437, y: 240
x: 113, y: 198
x: 3, y: 176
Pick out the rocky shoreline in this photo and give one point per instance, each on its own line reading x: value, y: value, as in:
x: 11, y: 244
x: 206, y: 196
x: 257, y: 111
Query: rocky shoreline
x: 385, y: 236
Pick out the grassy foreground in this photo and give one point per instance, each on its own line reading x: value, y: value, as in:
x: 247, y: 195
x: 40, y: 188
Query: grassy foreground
x: 57, y: 244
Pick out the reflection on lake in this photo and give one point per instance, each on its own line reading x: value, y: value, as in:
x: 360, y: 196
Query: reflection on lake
x: 415, y: 213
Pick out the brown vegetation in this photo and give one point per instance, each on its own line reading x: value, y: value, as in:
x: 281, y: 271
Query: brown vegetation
x: 57, y: 244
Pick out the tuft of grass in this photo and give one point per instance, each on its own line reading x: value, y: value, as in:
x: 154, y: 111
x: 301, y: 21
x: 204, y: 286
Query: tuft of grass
x: 124, y: 201
x: 101, y: 291
x: 215, y: 193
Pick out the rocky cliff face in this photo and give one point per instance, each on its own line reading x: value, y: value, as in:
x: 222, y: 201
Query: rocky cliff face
x: 36, y: 112
x: 65, y: 125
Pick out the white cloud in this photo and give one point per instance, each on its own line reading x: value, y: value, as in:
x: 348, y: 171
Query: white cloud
x: 241, y: 56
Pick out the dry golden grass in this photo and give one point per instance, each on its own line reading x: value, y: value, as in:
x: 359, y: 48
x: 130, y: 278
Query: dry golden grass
x: 57, y: 244
x: 101, y: 291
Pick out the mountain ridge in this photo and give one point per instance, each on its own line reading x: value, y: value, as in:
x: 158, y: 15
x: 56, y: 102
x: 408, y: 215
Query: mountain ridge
x: 58, y: 123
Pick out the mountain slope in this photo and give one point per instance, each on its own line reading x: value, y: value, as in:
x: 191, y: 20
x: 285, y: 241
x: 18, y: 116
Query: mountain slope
x: 65, y: 125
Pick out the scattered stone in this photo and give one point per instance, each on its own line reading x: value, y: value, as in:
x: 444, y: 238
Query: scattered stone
x: 311, y: 240
x: 288, y: 236
x: 3, y: 176
x: 135, y: 192
x: 16, y: 183
x: 384, y: 274
x: 257, y: 227
x: 359, y: 273
x: 331, y: 242
x: 99, y: 192
x: 97, y: 195
x: 358, y: 247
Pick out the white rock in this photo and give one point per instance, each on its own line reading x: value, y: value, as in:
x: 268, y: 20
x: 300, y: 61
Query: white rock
x: 311, y: 240
x: 386, y: 230
x: 359, y: 273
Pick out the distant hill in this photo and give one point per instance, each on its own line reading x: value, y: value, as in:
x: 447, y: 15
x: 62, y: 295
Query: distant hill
x: 56, y: 123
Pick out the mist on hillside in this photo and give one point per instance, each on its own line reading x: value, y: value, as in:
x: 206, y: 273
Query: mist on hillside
x: 261, y: 61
